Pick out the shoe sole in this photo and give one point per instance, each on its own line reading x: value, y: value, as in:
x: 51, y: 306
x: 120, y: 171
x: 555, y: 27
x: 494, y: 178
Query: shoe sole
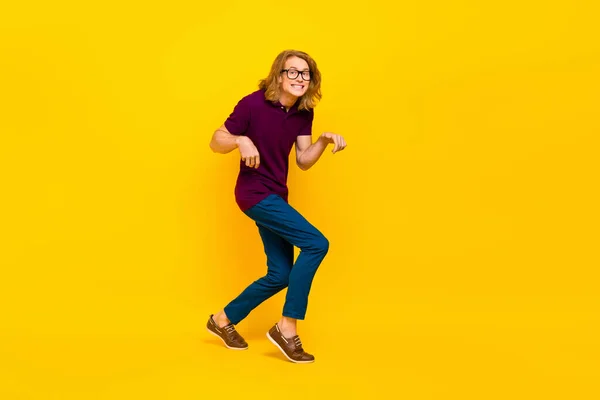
x: 229, y: 347
x: 279, y: 347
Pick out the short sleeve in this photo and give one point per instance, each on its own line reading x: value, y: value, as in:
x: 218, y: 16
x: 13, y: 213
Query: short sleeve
x: 238, y: 121
x: 306, y: 129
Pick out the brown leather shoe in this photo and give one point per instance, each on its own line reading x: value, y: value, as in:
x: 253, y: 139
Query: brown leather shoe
x: 230, y: 337
x: 290, y: 347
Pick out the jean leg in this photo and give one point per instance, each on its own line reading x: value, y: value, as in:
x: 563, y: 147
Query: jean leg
x: 280, y: 258
x: 282, y: 219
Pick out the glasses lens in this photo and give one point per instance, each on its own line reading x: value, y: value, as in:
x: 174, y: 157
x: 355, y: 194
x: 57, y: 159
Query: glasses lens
x: 293, y: 74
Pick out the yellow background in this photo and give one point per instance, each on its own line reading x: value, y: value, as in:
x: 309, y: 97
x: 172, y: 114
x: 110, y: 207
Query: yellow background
x: 463, y: 215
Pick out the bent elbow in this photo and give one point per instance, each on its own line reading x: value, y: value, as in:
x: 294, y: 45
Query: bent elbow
x: 303, y: 167
x: 214, y: 143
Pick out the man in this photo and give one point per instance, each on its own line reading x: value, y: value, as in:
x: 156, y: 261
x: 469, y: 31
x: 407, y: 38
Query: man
x: 264, y: 126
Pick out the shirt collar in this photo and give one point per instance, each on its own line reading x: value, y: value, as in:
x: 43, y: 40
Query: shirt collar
x: 278, y: 104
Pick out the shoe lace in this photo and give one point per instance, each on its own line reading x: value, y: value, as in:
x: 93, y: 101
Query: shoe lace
x: 230, y: 329
x: 298, y: 343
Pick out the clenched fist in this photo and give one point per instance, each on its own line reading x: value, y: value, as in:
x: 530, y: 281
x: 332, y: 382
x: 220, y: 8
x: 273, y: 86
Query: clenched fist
x: 248, y: 152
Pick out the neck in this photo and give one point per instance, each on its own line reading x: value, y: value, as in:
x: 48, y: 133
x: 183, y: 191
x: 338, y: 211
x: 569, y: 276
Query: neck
x: 287, y: 99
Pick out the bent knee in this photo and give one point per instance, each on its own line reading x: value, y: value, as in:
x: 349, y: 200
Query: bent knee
x: 278, y: 280
x: 321, y: 244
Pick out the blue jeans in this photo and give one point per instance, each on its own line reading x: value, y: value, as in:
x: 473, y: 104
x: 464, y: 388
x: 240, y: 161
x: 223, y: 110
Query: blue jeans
x: 281, y: 228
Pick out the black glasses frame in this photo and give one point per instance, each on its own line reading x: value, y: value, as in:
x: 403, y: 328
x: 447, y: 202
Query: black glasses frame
x: 295, y: 72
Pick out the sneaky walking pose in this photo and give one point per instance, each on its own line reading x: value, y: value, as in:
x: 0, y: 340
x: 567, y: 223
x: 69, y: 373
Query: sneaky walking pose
x: 264, y: 126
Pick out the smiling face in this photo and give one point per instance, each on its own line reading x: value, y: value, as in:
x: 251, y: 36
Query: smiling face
x: 292, y: 89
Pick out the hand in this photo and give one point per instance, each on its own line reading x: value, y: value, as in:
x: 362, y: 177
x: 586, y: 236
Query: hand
x: 337, y: 140
x: 249, y: 152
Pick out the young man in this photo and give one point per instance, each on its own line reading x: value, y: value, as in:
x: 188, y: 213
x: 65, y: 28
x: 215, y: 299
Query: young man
x: 264, y: 126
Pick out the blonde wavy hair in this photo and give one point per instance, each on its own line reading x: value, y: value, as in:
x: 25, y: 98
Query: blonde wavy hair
x: 273, y: 90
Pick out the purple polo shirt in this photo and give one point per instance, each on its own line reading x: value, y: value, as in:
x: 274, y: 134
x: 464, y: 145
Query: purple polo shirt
x: 273, y: 131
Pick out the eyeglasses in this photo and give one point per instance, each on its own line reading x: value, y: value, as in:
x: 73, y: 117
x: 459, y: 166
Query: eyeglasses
x: 293, y: 74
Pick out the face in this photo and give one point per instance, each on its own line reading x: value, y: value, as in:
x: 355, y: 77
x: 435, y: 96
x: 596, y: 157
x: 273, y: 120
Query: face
x: 297, y: 86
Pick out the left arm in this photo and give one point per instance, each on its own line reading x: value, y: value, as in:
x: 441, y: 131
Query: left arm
x: 308, y: 153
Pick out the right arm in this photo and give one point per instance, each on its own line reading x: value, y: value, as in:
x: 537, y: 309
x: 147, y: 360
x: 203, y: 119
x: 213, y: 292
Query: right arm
x: 224, y: 142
